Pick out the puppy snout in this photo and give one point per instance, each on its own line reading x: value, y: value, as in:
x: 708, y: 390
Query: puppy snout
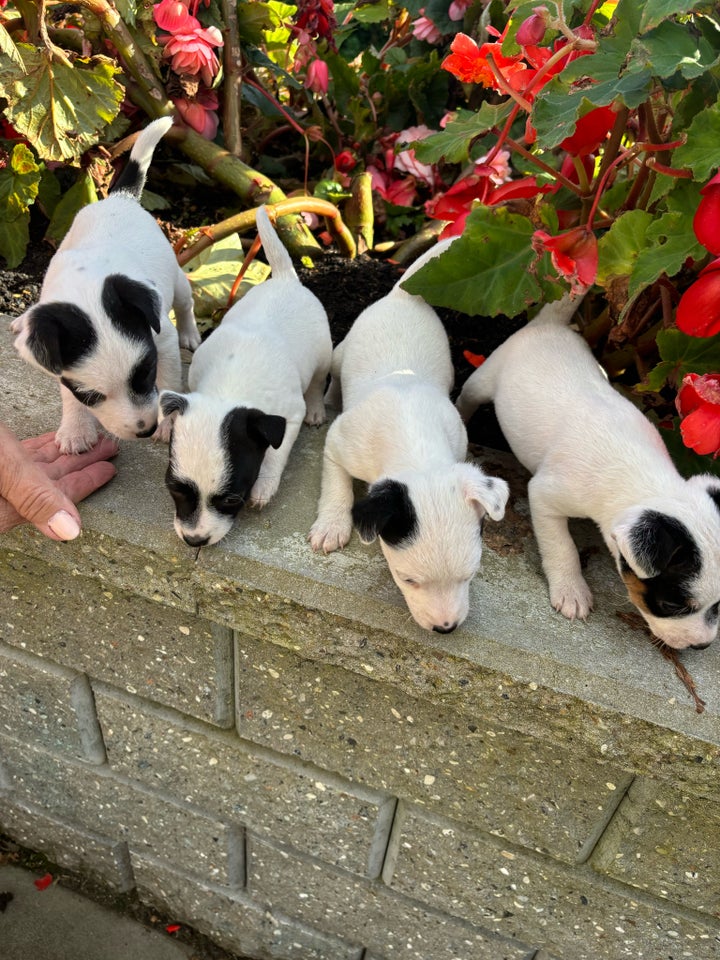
x: 140, y: 433
x: 192, y: 541
x: 445, y: 627
x: 700, y: 646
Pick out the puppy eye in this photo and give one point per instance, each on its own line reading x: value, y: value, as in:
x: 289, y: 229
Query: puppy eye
x: 669, y: 608
x: 90, y: 398
x: 712, y: 612
x: 410, y: 582
x: 230, y: 504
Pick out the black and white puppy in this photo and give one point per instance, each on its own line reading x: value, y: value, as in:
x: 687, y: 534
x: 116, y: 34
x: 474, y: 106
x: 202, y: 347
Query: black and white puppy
x: 253, y: 382
x: 101, y: 326
x: 593, y: 454
x: 400, y: 433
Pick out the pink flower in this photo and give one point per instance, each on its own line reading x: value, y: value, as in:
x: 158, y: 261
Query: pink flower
x: 574, y: 255
x: 498, y: 171
x: 191, y: 52
x: 406, y: 161
x: 317, y: 77
x: 200, y: 113
x: 457, y: 9
x: 706, y: 222
x: 424, y: 29
x: 698, y: 313
x: 174, y: 16
x: 400, y: 191
x: 698, y: 402
x: 532, y: 30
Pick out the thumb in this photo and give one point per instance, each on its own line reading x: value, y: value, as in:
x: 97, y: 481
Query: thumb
x: 42, y: 503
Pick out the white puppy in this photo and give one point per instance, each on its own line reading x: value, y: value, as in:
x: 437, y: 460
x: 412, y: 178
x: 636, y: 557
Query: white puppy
x: 400, y: 433
x: 593, y: 454
x: 253, y: 381
x: 101, y: 327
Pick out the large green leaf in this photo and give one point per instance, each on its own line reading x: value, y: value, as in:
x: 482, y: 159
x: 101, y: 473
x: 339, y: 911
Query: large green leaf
x: 700, y: 153
x: 680, y: 355
x: 453, y: 142
x: 653, y: 12
x: 672, y: 47
x: 488, y: 271
x: 62, y: 109
x: 9, y: 51
x: 19, y: 182
x: 672, y: 241
x: 619, y: 248
x: 213, y: 272
x: 78, y: 196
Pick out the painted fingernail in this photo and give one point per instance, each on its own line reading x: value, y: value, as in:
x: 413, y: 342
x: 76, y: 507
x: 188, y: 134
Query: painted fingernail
x: 64, y: 526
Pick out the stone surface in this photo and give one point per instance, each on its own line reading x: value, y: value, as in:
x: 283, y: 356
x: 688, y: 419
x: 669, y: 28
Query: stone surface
x: 666, y: 843
x: 247, y: 785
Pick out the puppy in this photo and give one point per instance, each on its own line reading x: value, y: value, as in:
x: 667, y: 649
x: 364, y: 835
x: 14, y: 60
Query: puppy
x: 253, y: 381
x: 101, y: 327
x: 400, y: 433
x: 593, y: 454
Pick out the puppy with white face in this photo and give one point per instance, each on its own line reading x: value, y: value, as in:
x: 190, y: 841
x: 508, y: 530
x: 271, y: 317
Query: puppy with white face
x: 593, y: 454
x: 101, y: 327
x: 399, y: 432
x: 252, y: 382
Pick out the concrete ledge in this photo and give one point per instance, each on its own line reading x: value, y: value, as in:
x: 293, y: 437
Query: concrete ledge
x: 287, y: 705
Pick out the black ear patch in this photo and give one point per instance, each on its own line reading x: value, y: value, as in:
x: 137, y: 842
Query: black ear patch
x: 133, y: 307
x: 61, y: 334
x: 173, y: 403
x: 266, y: 428
x: 388, y: 512
x: 714, y: 494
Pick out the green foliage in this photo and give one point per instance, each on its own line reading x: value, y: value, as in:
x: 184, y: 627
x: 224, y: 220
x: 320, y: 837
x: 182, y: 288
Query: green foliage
x: 19, y: 182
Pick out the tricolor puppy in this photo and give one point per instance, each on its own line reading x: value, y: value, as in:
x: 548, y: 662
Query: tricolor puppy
x: 399, y: 432
x: 593, y: 454
x: 253, y: 382
x: 101, y: 327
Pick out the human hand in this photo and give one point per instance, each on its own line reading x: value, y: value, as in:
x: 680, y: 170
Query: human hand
x: 40, y: 485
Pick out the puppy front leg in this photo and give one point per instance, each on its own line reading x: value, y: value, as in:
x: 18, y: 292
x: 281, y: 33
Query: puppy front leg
x: 79, y: 430
x: 169, y: 364
x: 333, y: 525
x: 184, y: 313
x: 271, y: 469
x: 569, y: 593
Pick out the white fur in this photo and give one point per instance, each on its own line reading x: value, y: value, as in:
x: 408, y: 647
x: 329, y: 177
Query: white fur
x: 394, y: 371
x: 272, y: 352
x: 115, y: 236
x: 592, y: 454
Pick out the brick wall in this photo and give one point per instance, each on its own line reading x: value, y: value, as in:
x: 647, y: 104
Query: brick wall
x: 300, y: 783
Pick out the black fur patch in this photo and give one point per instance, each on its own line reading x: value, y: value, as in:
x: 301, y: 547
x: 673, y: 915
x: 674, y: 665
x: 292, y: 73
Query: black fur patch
x: 90, y: 398
x: 714, y: 494
x: 664, y: 544
x: 132, y: 180
x: 388, y: 512
x: 144, y: 375
x: 133, y: 307
x: 61, y: 334
x: 245, y: 435
x: 185, y: 494
x: 173, y: 403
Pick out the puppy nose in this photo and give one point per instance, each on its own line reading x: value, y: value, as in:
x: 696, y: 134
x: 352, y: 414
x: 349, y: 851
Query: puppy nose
x: 145, y: 433
x: 445, y: 627
x: 700, y: 646
x: 192, y: 541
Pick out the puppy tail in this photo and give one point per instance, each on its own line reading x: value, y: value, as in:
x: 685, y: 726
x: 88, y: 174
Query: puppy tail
x: 559, y: 312
x: 277, y: 256
x: 132, y: 179
x: 430, y: 254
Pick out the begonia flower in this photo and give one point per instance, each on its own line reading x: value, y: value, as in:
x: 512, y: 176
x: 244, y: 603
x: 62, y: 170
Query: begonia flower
x: 532, y: 30
x: 498, y: 170
x: 174, y: 16
x: 469, y: 62
x: 192, y: 52
x: 574, y: 255
x: 400, y: 191
x: 698, y: 403
x: 317, y: 77
x: 706, y: 222
x: 590, y: 131
x: 425, y: 29
x: 345, y: 162
x: 315, y: 20
x: 698, y: 313
x: 406, y: 161
x: 199, y: 113
x: 456, y: 203
x: 458, y: 8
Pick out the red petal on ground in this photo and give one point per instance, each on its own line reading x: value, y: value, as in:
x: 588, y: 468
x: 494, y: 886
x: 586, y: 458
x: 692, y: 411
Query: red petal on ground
x: 42, y: 883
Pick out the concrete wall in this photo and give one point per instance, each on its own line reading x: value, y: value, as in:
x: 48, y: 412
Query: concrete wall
x: 263, y: 744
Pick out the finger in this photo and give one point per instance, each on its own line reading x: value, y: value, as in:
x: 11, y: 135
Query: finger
x: 81, y: 483
x: 70, y: 462
x: 44, y: 444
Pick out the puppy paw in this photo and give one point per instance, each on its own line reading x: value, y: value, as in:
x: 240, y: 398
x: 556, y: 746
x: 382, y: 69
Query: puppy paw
x: 329, y: 535
x: 189, y: 339
x: 315, y: 415
x: 163, y: 432
x: 572, y: 600
x: 72, y: 440
x: 264, y: 489
x: 17, y: 324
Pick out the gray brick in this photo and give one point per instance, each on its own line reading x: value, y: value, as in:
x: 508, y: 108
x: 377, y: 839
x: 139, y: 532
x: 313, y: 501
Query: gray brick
x: 140, y: 646
x: 569, y: 912
x: 531, y: 791
x: 665, y: 842
x: 367, y: 911
x: 68, y: 844
x: 233, y: 920
x: 148, y: 823
x: 48, y: 705
x: 235, y: 781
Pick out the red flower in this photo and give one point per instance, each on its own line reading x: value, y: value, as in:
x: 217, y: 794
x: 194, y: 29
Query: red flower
x: 191, y: 51
x: 174, y: 16
x: 345, y: 162
x: 533, y: 29
x: 706, y: 223
x: 698, y: 313
x: 469, y: 63
x: 574, y: 255
x: 474, y: 359
x: 590, y: 131
x: 698, y: 402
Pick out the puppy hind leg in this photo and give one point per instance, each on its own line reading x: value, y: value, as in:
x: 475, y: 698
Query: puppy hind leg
x: 314, y: 398
x: 569, y: 593
x: 479, y: 388
x: 188, y: 332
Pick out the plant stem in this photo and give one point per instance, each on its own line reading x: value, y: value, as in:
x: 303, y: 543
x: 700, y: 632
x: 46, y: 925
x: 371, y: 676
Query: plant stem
x: 232, y: 82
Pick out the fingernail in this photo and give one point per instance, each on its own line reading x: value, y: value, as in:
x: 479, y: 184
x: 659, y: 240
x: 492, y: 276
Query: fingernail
x: 64, y: 526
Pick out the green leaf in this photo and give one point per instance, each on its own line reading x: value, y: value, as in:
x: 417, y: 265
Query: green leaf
x: 701, y: 153
x: 128, y: 11
x: 19, y: 183
x: 689, y: 354
x: 453, y: 143
x: 619, y: 248
x: 10, y: 53
x: 671, y: 241
x: 490, y: 270
x: 653, y: 12
x: 686, y: 460
x: 672, y: 47
x: 48, y: 192
x: 61, y: 109
x: 372, y: 12
x: 80, y: 194
x: 212, y: 274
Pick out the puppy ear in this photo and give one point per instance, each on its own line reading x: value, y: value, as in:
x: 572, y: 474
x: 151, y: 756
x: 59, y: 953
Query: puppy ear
x: 266, y: 428
x: 488, y: 495
x: 132, y: 306
x: 58, y: 335
x: 173, y: 404
x: 387, y: 511
x: 709, y: 483
x: 652, y: 543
